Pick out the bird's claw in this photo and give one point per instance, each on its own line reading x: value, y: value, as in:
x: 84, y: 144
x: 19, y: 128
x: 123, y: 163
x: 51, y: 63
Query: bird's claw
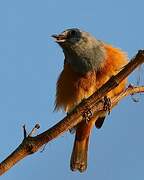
x: 107, y: 104
x: 87, y: 115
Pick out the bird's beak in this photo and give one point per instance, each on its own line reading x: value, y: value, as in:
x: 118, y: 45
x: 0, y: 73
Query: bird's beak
x: 59, y: 38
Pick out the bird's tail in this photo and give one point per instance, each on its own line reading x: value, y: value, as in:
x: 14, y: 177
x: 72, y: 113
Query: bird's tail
x: 79, y: 154
x: 80, y: 149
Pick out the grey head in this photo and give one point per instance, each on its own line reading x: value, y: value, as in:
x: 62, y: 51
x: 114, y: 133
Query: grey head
x: 82, y: 51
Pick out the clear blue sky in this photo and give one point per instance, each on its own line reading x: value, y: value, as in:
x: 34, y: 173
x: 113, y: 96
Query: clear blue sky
x: 29, y: 66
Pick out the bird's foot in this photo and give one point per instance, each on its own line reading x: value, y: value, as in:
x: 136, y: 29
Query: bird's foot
x: 107, y: 104
x: 87, y: 115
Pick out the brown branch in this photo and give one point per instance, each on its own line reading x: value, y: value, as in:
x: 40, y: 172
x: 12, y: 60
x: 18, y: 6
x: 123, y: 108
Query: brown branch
x: 131, y: 90
x: 32, y: 144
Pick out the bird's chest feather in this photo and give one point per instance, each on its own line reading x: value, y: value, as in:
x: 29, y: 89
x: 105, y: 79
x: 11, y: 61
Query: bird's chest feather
x: 72, y: 88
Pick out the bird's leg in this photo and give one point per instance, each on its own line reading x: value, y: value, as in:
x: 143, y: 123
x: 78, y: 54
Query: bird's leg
x: 107, y: 104
x: 87, y: 115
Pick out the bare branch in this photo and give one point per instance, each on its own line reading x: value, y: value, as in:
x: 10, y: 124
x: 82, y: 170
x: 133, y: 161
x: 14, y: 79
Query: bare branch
x: 94, y: 103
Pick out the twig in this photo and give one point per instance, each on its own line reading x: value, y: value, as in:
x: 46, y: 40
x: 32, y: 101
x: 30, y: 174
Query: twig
x: 24, y: 131
x: 37, y: 126
x: 32, y: 144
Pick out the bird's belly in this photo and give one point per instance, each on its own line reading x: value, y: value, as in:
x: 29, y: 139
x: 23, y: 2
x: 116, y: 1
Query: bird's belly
x: 72, y: 88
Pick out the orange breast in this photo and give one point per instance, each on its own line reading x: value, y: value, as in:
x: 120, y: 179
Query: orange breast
x: 73, y: 87
x: 114, y: 62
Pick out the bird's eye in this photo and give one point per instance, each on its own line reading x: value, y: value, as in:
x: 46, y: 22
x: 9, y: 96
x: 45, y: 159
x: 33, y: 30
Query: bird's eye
x: 73, y: 33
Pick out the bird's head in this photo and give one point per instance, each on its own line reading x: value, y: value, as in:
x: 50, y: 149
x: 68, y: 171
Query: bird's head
x: 83, y: 51
x: 68, y: 37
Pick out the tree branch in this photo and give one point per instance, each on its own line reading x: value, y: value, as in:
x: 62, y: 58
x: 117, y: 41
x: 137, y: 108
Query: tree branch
x: 32, y: 144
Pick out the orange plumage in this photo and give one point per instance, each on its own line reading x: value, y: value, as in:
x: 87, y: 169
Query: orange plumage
x: 89, y: 63
x: 73, y: 87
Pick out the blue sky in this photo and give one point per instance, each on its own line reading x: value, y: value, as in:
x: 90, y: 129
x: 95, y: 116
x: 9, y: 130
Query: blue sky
x: 30, y: 63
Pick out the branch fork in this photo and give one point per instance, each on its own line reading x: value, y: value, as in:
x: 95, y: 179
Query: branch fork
x: 31, y: 143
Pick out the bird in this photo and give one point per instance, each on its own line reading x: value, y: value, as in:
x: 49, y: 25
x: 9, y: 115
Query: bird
x: 88, y: 64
